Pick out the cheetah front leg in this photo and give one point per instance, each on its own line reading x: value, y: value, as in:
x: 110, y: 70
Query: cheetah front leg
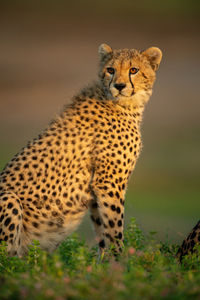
x: 96, y: 219
x: 107, y: 213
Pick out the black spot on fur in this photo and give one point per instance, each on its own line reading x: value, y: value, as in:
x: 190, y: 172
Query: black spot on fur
x: 11, y: 227
x: 15, y: 211
x: 7, y: 221
x: 102, y: 244
x: 111, y: 223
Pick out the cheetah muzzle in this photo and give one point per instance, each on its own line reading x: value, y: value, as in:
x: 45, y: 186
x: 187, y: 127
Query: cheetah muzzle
x: 83, y: 159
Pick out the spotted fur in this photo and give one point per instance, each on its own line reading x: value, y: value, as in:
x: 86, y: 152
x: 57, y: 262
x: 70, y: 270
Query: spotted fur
x: 82, y: 161
x: 190, y: 242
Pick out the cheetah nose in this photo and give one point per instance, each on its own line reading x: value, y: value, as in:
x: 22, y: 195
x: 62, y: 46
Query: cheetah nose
x: 119, y: 86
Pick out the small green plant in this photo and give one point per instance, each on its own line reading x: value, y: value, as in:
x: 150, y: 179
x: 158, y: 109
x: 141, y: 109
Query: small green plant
x: 146, y: 269
x: 133, y: 236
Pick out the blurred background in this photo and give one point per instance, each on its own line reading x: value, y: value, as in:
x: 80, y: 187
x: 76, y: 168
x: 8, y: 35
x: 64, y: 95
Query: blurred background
x: 48, y: 51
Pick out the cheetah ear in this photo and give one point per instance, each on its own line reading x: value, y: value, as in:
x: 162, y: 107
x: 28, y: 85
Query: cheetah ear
x: 104, y: 50
x: 154, y: 56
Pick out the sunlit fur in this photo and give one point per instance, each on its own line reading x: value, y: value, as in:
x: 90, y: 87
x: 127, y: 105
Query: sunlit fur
x: 82, y: 161
x: 138, y: 86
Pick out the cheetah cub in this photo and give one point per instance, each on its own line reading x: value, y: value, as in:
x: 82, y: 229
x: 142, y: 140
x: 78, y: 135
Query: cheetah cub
x: 82, y: 161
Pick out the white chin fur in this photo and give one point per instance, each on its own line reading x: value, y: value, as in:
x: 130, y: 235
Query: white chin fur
x: 139, y: 98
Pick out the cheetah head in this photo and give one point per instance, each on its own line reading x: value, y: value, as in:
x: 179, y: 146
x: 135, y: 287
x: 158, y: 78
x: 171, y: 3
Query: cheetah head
x: 128, y: 74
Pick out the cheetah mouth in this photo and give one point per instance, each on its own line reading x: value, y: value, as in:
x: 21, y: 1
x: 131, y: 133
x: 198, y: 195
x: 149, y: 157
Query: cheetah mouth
x: 120, y: 94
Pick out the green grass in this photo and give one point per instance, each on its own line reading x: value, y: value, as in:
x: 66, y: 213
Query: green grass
x: 147, y: 269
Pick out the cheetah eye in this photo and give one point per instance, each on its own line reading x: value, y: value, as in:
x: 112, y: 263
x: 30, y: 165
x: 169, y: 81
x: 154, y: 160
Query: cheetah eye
x: 111, y: 70
x: 133, y: 70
